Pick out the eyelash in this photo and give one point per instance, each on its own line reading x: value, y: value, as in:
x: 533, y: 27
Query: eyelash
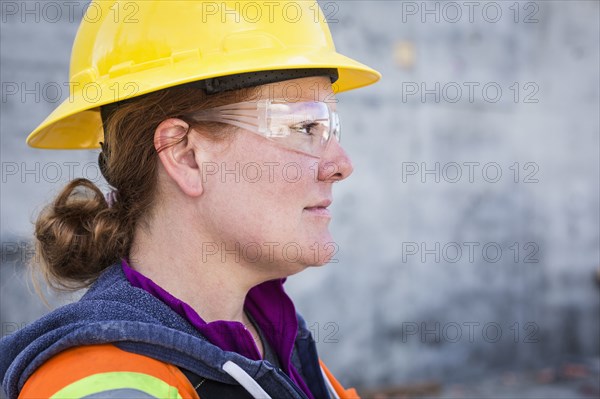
x: 305, y: 125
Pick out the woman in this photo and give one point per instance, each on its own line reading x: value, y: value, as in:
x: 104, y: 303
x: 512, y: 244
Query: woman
x: 220, y: 137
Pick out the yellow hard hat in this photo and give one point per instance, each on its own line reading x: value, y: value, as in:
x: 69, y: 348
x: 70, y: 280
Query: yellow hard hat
x: 129, y: 48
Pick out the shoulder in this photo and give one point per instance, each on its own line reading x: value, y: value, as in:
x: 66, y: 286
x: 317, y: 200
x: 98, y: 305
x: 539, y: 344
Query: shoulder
x: 106, y: 371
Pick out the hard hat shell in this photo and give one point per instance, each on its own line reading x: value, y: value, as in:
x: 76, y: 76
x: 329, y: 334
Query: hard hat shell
x: 126, y: 49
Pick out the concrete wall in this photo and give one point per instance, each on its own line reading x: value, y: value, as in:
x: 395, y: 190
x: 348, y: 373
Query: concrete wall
x: 420, y: 290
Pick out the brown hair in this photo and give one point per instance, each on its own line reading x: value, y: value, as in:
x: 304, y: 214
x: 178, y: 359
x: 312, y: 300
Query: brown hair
x: 79, y: 235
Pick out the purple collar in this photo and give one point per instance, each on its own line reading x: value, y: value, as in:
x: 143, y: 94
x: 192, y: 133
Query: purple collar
x: 267, y: 303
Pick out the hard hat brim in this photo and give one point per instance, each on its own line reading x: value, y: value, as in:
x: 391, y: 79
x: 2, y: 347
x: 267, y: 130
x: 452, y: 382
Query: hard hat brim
x: 76, y: 122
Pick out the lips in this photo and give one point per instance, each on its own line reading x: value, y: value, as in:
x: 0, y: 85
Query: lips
x: 323, y: 204
x: 319, y: 209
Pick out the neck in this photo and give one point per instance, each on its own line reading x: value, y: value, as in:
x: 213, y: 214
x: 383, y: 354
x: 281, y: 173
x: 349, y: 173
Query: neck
x: 172, y: 257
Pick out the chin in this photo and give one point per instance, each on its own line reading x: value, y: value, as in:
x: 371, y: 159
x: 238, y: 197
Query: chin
x: 321, y: 253
x: 320, y: 264
x: 290, y: 268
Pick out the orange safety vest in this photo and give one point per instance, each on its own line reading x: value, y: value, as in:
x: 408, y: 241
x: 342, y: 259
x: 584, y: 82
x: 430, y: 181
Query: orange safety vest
x: 105, y: 369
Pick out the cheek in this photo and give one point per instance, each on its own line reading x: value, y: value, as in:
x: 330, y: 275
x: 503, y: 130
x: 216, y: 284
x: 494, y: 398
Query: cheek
x: 280, y: 195
x: 261, y: 191
x: 261, y: 199
x: 267, y: 213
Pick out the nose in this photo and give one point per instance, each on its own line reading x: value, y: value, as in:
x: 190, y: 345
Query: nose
x: 335, y: 164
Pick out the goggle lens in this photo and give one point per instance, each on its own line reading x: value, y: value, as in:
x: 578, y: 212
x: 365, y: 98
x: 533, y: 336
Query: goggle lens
x: 306, y: 126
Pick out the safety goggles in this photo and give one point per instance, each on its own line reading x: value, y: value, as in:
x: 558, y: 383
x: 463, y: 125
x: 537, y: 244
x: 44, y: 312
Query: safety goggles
x: 306, y: 126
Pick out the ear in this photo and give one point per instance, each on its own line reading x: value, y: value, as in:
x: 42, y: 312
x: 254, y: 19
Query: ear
x: 181, y: 160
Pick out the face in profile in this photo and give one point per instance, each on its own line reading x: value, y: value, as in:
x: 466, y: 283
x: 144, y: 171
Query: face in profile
x: 266, y: 200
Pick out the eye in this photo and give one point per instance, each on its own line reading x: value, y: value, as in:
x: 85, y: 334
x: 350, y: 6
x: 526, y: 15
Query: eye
x: 307, y: 128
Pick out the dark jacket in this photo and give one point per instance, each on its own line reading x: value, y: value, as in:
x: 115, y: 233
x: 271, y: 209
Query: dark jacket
x: 113, y: 311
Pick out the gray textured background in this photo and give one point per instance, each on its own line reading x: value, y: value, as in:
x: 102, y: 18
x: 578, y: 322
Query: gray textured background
x: 395, y: 314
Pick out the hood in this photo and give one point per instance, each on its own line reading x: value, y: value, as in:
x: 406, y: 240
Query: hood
x: 113, y: 311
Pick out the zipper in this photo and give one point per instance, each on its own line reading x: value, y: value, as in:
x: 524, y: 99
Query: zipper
x: 291, y: 383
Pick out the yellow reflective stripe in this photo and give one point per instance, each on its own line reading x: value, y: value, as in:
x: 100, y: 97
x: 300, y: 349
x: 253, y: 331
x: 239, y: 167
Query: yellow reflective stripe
x: 98, y: 383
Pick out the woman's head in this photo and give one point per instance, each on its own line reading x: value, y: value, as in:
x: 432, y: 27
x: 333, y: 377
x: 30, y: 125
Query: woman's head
x: 175, y: 168
x: 237, y: 190
x: 257, y: 199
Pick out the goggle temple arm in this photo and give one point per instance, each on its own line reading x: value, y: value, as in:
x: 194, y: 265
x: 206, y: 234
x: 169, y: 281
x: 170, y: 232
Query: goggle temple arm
x: 243, y: 115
